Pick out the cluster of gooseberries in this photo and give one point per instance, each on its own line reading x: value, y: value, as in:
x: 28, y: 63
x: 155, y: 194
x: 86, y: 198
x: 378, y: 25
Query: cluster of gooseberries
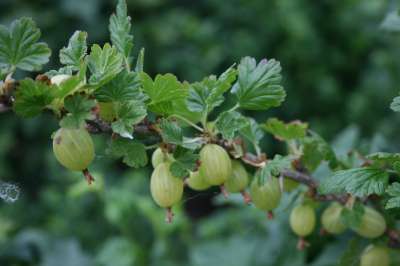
x: 74, y: 149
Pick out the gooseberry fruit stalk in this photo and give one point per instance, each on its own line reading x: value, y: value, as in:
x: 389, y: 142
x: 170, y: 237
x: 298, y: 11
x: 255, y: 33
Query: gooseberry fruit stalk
x: 374, y: 255
x: 74, y: 149
x: 216, y: 166
x: 331, y: 219
x: 302, y: 221
x: 266, y: 196
x: 372, y: 224
x: 165, y: 188
x: 238, y: 181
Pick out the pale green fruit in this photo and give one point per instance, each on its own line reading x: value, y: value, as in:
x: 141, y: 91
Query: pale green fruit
x: 289, y: 184
x: 73, y: 148
x: 165, y: 188
x: 266, y: 196
x: 331, y: 220
x: 215, y: 164
x: 107, y: 112
x: 375, y: 256
x: 302, y: 220
x: 239, y: 178
x: 372, y: 224
x: 196, y: 181
x: 58, y: 79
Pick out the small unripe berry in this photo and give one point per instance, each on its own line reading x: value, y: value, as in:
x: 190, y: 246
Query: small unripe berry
x: 266, y: 196
x: 375, y: 256
x: 302, y: 220
x: 58, y: 79
x: 331, y: 220
x: 159, y: 157
x: 107, y: 112
x: 73, y: 148
x: 372, y: 224
x: 165, y: 188
x: 239, y: 178
x: 216, y: 165
x: 196, y: 182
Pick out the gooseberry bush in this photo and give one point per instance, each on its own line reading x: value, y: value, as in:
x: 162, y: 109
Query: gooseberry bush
x: 194, y: 142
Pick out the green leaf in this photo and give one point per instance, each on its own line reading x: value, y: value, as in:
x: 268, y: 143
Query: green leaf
x: 185, y: 161
x: 32, y: 97
x: 79, y: 108
x: 285, y: 131
x: 140, y: 61
x: 73, y: 55
x: 395, y: 105
x: 258, y: 86
x: 359, y: 182
x: 384, y: 159
x: 128, y: 114
x: 120, y: 29
x: 68, y: 70
x: 204, y: 96
x: 163, y: 91
x: 229, y: 123
x: 274, y: 167
x: 104, y: 64
x: 351, y: 256
x: 132, y: 152
x: 69, y: 87
x: 252, y: 131
x: 124, y: 87
x: 19, y: 46
x: 394, y: 191
x: 316, y: 150
x: 171, y: 132
x: 351, y: 217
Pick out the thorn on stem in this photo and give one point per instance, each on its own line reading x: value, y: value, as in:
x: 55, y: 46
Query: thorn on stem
x: 88, y: 176
x: 323, y: 232
x: 224, y: 191
x: 246, y: 196
x: 270, y: 215
x: 169, y: 215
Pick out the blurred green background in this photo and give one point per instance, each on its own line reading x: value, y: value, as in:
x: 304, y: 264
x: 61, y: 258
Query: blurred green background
x: 341, y: 69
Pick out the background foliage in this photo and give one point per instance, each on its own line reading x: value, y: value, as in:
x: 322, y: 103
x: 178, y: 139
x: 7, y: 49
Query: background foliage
x: 340, y: 70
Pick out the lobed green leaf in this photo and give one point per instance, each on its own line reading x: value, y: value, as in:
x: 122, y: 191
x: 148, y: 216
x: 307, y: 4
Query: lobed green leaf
x: 360, y: 182
x: 104, y: 64
x: 32, y: 97
x: 73, y: 55
x: 120, y: 29
x: 285, y: 131
x: 19, y: 46
x: 258, y: 86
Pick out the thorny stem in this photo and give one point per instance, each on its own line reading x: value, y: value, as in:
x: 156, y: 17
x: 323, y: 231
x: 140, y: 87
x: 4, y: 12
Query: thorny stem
x: 270, y: 215
x: 97, y: 126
